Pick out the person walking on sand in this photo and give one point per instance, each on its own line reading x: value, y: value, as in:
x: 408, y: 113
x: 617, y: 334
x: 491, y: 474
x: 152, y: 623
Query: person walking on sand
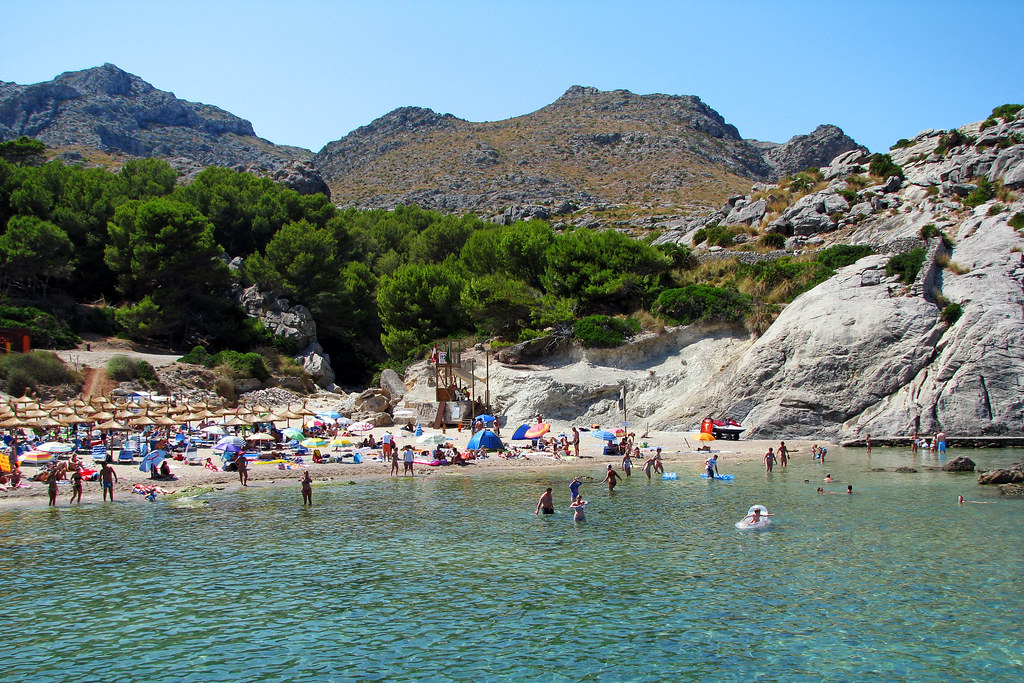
x: 243, y: 469
x: 407, y: 456
x: 545, y: 504
x: 627, y: 463
x: 107, y: 478
x: 769, y: 460
x: 576, y: 441
x: 307, y: 489
x: 76, y: 486
x: 612, y: 477
x: 783, y: 454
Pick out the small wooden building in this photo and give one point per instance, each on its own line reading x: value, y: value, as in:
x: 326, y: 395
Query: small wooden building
x: 15, y: 340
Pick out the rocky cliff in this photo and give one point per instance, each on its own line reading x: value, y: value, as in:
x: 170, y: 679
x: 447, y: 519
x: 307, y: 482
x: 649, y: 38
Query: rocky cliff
x: 588, y: 148
x: 862, y: 352
x: 109, y: 110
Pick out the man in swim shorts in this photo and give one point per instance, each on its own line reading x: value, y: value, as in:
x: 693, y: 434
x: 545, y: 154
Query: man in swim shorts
x: 575, y: 441
x: 107, y: 478
x: 545, y: 504
x: 407, y: 456
x: 712, y: 465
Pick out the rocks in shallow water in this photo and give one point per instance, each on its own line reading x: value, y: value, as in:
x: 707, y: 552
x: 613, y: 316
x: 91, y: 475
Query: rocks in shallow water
x: 905, y: 470
x: 1001, y: 476
x: 959, y: 464
x: 1011, y: 490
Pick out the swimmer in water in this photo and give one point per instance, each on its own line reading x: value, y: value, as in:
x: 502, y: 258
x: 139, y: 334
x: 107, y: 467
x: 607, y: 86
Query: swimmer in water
x: 828, y: 478
x: 577, y: 508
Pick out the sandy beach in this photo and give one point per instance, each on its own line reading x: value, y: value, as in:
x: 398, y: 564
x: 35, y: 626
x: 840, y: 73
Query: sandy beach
x: 678, y: 453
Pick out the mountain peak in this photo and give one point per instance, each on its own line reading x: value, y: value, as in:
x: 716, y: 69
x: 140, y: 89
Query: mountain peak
x: 104, y: 80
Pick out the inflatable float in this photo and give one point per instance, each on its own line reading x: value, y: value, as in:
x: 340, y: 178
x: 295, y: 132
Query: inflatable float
x: 723, y: 477
x: 748, y: 522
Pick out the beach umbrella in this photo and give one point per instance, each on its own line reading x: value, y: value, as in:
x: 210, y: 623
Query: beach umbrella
x: 111, y: 425
x: 704, y: 436
x: 315, y: 423
x: 361, y: 427
x: 313, y: 443
x: 36, y: 458
x: 236, y: 441
x: 485, y: 438
x: 214, y: 429
x: 329, y: 414
x: 520, y: 433
x: 55, y: 447
x: 341, y: 441
x: 603, y: 435
x: 486, y: 418
x: 152, y: 460
x: 537, y: 430
x: 293, y: 434
x: 620, y: 431
x: 227, y: 447
x: 432, y: 439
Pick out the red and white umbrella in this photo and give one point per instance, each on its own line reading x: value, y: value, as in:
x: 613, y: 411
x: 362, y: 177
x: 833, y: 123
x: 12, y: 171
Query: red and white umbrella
x: 360, y: 427
x: 537, y: 430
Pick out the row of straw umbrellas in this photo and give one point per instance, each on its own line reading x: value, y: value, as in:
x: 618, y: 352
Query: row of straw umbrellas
x: 113, y: 415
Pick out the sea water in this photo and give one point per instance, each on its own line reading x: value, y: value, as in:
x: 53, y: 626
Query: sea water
x: 452, y: 577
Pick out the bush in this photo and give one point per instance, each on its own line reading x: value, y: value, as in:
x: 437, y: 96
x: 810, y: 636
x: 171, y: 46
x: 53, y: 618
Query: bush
x: 1006, y: 111
x: 198, y: 356
x: 996, y: 209
x: 28, y: 371
x: 981, y: 194
x: 601, y: 331
x: 907, y: 265
x: 883, y: 166
x: 1017, y: 222
x: 244, y: 364
x: 45, y: 330
x: 773, y: 240
x: 929, y: 231
x: 125, y: 369
x: 951, y: 313
x: 952, y: 140
x: 901, y: 143
x: 842, y: 255
x: 850, y: 195
x: 694, y: 303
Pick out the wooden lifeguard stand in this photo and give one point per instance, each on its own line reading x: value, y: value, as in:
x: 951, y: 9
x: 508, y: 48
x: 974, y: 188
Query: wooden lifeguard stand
x: 455, y: 384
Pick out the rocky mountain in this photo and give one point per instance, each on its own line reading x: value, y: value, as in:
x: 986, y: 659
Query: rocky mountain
x: 862, y: 353
x: 587, y: 148
x: 106, y: 111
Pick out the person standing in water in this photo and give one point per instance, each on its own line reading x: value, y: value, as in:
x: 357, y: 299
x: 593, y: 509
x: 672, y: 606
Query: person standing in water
x: 769, y: 460
x: 51, y: 489
x: 407, y: 456
x: 107, y: 478
x: 76, y: 486
x: 307, y: 489
x: 627, y: 463
x: 545, y: 504
x: 648, y: 466
x: 712, y: 466
x: 574, y: 488
x: 612, y: 478
x: 783, y: 454
x: 577, y: 509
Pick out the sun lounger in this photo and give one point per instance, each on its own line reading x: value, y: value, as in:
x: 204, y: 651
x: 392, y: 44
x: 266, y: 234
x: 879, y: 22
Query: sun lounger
x: 192, y: 455
x: 99, y: 453
x: 126, y: 455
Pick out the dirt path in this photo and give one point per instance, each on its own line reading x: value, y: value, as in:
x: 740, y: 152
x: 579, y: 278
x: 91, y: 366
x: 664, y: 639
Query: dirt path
x: 96, y: 383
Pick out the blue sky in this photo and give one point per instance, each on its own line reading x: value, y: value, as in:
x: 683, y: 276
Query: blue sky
x: 307, y: 73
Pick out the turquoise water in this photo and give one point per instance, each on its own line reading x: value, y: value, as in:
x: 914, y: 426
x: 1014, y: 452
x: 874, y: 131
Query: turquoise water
x: 454, y: 578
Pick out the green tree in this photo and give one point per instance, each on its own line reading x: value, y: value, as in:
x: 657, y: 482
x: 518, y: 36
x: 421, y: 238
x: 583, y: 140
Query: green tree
x: 604, y: 270
x: 25, y: 151
x: 147, y: 178
x: 33, y: 251
x: 418, y: 303
x: 164, y: 250
x: 498, y: 304
x: 300, y: 262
